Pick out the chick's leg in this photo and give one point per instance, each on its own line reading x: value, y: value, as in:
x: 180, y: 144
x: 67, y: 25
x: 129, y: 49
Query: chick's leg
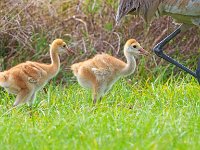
x: 94, y: 97
x: 23, y: 96
x: 31, y: 100
x: 97, y: 93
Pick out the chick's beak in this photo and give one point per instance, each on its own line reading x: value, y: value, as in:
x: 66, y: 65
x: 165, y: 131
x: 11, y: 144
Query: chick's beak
x: 143, y: 52
x: 69, y: 50
x: 66, y: 47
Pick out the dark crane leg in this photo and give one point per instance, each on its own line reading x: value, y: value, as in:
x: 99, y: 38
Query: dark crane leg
x: 158, y: 49
x: 198, y: 71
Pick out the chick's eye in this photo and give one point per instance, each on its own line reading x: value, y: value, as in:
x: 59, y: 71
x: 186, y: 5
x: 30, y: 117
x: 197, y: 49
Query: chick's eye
x: 64, y: 45
x: 134, y: 46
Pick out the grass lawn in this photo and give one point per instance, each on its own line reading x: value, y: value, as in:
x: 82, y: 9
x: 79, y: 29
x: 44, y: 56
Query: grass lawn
x: 133, y: 115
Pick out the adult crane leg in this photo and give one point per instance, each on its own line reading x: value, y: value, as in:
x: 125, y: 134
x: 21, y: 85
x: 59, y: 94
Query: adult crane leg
x: 158, y: 49
x: 198, y: 71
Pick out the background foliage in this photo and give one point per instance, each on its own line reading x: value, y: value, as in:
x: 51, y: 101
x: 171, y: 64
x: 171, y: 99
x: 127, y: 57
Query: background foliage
x: 27, y: 27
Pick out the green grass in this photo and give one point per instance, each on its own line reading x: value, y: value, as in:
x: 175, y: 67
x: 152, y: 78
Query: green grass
x: 137, y: 115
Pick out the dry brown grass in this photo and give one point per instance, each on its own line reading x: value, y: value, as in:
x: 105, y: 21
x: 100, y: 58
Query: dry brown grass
x: 28, y: 26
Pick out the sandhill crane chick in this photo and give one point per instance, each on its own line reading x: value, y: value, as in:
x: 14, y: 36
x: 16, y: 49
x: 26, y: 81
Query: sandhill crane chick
x: 103, y: 70
x: 27, y: 78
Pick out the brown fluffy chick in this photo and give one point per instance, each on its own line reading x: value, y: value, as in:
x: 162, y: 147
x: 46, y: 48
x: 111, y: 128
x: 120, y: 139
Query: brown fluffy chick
x: 27, y: 78
x: 103, y: 70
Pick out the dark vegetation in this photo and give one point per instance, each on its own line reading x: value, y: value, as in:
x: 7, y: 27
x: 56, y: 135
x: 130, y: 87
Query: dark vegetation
x: 27, y: 27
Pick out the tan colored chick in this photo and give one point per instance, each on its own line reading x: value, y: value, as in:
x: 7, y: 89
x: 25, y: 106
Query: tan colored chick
x: 103, y: 70
x: 27, y: 78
